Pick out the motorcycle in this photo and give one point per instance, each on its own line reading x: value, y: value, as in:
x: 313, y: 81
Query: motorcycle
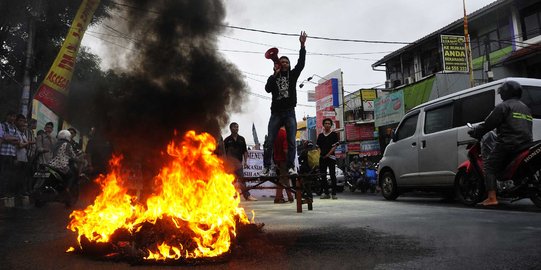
x: 521, y: 177
x: 364, y: 181
x: 50, y: 186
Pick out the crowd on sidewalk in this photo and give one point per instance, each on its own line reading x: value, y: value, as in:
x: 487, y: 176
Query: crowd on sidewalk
x: 23, y: 151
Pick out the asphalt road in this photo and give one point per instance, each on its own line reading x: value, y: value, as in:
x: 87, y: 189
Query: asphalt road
x: 357, y: 231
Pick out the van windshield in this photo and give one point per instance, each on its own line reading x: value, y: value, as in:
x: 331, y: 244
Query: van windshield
x: 531, y: 96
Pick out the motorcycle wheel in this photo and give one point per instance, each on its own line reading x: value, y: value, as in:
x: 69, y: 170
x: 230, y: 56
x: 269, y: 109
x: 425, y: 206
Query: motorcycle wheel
x: 389, y: 190
x: 535, y: 197
x: 468, y: 188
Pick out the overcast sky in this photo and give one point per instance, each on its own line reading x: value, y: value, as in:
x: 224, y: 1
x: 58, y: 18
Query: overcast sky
x: 381, y: 20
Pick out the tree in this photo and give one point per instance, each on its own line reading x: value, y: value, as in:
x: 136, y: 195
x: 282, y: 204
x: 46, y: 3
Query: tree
x: 51, y: 20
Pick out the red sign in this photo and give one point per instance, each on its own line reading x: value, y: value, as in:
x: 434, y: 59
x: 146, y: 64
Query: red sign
x: 354, y: 147
x: 366, y: 132
x: 353, y: 132
x: 324, y: 105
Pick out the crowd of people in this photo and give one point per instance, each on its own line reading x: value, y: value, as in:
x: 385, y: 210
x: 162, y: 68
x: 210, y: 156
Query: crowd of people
x: 23, y: 151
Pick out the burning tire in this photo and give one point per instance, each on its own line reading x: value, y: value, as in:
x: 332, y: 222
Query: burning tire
x: 389, y: 189
x: 469, y: 189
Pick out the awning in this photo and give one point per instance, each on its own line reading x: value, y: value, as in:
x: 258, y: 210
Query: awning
x: 522, y: 54
x: 417, y: 93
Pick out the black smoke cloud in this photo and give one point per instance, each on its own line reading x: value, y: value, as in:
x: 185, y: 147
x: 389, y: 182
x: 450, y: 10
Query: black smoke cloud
x: 176, y: 78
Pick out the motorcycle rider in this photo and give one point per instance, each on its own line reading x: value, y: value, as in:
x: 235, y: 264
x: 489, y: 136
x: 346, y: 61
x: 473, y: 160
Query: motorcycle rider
x: 355, y: 167
x: 64, y: 157
x: 512, y: 120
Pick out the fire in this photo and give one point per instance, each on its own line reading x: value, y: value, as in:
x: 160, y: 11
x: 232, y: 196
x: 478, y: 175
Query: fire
x: 192, y: 214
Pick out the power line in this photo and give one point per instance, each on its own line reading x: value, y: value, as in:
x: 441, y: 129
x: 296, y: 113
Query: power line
x: 280, y: 33
x: 317, y: 37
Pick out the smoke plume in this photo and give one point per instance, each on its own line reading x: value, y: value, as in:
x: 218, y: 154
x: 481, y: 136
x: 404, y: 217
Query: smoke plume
x: 176, y: 79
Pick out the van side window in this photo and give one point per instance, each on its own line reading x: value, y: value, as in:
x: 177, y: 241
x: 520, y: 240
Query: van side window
x: 438, y: 119
x: 531, y: 96
x: 474, y: 108
x: 407, y: 128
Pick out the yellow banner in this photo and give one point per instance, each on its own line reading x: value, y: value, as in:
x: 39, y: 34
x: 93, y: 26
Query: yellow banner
x: 53, y: 90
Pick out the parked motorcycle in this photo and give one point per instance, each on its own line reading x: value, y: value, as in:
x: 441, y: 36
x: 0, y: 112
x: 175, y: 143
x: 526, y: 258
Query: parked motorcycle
x: 364, y: 181
x: 50, y: 186
x: 521, y: 177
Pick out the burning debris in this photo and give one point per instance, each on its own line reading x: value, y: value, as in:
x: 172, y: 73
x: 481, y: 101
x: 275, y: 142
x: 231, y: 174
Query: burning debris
x: 192, y: 216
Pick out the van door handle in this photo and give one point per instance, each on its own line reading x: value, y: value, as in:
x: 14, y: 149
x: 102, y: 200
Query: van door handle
x: 413, y: 144
x: 423, y: 144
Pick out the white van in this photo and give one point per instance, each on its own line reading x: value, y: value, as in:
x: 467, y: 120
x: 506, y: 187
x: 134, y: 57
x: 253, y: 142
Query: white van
x: 430, y: 142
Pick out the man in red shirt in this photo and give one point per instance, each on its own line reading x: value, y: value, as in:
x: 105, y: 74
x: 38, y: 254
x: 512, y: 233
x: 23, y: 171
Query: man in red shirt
x: 280, y: 159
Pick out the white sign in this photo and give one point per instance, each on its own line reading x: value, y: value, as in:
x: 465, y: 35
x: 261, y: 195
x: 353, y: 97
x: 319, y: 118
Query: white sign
x: 254, y: 164
x: 368, y: 106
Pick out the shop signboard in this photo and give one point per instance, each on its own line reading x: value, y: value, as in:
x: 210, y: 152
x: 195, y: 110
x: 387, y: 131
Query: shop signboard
x: 389, y: 109
x: 454, y: 53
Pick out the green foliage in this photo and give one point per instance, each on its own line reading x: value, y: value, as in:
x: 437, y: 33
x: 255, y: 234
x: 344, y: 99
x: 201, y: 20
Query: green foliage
x: 51, y: 20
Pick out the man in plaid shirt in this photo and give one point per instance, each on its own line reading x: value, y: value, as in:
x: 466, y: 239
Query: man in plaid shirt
x: 8, y: 150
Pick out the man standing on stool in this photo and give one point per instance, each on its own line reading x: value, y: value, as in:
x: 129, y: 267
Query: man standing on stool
x: 237, y: 154
x: 283, y: 86
x: 327, y: 142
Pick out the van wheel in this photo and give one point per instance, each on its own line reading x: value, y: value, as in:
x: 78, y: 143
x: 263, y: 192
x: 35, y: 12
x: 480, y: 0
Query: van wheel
x: 389, y: 190
x: 469, y: 189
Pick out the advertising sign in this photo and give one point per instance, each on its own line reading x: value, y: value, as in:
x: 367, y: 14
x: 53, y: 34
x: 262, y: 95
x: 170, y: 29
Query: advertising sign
x: 325, y: 102
x: 370, y: 148
x: 389, y: 109
x: 353, y: 132
x: 368, y: 106
x: 454, y: 53
x: 354, y: 147
x: 368, y: 94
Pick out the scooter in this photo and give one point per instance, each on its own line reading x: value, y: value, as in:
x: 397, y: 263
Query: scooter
x: 50, y: 186
x: 521, y: 177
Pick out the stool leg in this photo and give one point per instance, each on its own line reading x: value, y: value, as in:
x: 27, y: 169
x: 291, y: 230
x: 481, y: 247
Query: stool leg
x: 298, y: 194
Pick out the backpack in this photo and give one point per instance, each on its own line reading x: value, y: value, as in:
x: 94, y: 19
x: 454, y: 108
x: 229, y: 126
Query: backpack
x: 313, y: 157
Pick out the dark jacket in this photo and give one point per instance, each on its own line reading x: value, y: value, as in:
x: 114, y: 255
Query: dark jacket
x: 512, y: 120
x: 283, y: 101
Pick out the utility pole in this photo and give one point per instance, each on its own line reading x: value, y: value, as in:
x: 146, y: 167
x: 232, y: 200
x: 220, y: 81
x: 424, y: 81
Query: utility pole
x: 25, y: 96
x: 468, y: 46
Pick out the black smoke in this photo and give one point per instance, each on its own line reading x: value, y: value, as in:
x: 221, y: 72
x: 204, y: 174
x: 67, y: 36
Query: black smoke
x: 176, y: 78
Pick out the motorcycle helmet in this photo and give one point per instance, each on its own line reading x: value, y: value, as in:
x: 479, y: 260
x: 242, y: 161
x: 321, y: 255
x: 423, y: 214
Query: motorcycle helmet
x: 510, y: 89
x: 64, y: 135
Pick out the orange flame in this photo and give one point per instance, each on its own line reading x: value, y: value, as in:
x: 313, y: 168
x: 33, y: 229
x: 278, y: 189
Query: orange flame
x: 194, y: 195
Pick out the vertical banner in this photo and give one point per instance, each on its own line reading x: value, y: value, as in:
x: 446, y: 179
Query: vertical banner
x: 53, y: 91
x: 325, y: 100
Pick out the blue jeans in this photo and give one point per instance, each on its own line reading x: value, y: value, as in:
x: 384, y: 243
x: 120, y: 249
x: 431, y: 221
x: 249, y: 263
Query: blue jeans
x: 277, y: 120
